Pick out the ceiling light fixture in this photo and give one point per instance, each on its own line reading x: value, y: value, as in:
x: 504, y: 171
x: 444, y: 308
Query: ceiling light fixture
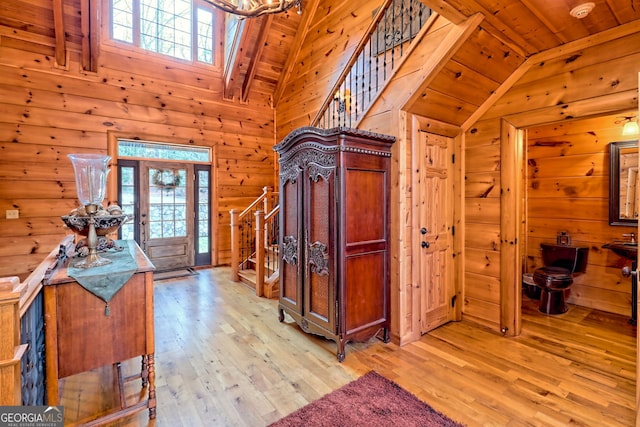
x: 582, y: 10
x: 630, y: 127
x: 253, y: 8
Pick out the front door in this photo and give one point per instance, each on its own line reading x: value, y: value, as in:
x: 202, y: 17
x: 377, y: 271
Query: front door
x: 434, y: 234
x: 166, y: 214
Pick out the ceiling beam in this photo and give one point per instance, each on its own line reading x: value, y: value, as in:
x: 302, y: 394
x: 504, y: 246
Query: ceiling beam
x: 231, y: 67
x: 446, y: 10
x: 88, y: 24
x: 58, y: 26
x: 265, y: 26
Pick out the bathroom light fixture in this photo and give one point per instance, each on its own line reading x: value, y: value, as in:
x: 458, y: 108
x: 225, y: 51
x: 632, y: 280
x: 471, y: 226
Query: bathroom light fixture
x: 253, y: 8
x: 582, y: 10
x: 630, y: 127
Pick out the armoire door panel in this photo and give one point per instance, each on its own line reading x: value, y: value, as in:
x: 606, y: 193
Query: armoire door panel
x: 291, y: 245
x: 318, y: 223
x: 365, y: 300
x: 365, y: 206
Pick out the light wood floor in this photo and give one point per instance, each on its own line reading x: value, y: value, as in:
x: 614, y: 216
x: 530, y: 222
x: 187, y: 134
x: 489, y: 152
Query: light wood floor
x: 223, y: 359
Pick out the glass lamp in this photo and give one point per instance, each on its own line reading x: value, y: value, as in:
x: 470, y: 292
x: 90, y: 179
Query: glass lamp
x: 91, y: 172
x: 630, y: 127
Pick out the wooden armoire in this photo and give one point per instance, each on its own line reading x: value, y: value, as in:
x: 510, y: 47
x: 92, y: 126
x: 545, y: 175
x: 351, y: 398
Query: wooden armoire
x: 334, y: 233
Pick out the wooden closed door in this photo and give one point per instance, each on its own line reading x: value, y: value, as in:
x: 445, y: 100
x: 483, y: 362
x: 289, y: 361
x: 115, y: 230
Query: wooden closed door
x: 434, y: 234
x: 291, y: 239
x: 319, y: 212
x: 166, y: 214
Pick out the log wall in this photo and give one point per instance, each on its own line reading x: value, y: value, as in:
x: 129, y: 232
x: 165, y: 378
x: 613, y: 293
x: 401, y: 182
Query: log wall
x: 568, y: 190
x: 48, y: 111
x: 588, y: 81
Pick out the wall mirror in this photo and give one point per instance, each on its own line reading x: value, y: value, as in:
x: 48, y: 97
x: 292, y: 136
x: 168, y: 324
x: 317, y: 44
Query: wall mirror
x: 623, y: 179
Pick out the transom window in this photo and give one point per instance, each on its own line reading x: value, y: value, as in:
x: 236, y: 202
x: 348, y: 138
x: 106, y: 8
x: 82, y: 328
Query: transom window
x: 177, y: 28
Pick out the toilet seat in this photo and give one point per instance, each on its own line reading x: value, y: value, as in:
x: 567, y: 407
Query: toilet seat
x: 553, y: 277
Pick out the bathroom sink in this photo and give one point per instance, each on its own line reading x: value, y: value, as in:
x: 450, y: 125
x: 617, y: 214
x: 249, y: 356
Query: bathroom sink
x: 625, y: 249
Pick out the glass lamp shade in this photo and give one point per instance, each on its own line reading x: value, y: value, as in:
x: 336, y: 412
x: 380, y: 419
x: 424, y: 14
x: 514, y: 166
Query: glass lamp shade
x: 91, y: 172
x: 631, y: 127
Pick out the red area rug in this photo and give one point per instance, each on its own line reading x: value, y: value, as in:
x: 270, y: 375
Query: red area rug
x: 371, y: 401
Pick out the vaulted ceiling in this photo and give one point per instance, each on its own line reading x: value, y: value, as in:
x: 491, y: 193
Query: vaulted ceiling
x: 522, y: 27
x: 532, y: 26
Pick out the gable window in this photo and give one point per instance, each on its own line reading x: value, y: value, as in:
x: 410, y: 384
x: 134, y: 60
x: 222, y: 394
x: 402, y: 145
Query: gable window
x: 177, y: 28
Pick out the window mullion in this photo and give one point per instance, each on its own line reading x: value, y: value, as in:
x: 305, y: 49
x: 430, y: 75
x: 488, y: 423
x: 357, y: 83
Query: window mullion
x: 136, y: 23
x: 166, y: 27
x: 194, y: 31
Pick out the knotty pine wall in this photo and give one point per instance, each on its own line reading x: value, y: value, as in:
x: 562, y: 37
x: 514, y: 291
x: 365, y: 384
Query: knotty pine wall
x: 327, y: 46
x: 48, y: 111
x: 592, y: 81
x: 337, y: 27
x: 568, y: 190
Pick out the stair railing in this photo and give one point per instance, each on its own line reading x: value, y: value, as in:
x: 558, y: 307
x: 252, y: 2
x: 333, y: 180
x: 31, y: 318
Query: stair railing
x: 243, y: 231
x: 375, y: 60
x: 266, y: 254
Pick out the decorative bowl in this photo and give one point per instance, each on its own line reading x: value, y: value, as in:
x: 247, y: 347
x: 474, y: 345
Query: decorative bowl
x: 105, y: 224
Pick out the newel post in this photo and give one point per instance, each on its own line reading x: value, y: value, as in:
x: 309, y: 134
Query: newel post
x: 266, y: 192
x: 235, y: 244
x: 260, y: 253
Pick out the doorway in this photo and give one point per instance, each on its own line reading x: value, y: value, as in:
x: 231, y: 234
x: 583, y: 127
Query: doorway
x: 170, y: 202
x: 166, y: 225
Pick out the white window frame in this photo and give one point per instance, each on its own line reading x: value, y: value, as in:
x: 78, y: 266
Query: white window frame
x: 216, y: 32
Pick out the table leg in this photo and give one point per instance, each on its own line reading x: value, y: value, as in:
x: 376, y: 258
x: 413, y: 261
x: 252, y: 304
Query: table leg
x: 144, y: 371
x: 152, y: 385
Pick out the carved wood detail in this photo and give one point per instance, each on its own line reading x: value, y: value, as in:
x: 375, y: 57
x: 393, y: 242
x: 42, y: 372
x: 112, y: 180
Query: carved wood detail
x: 290, y: 250
x: 319, y: 258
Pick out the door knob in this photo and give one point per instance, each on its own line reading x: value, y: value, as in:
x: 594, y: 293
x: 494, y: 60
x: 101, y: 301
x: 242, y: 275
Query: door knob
x: 423, y: 230
x: 628, y: 272
x: 424, y: 244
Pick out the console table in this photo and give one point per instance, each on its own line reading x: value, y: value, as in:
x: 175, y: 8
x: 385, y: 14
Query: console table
x: 81, y: 335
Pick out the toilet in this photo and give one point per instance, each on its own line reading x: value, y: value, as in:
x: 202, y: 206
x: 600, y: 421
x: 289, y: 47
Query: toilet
x: 561, y: 264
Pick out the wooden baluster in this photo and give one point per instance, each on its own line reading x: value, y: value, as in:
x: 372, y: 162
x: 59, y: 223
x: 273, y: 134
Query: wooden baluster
x: 235, y: 245
x: 260, y: 249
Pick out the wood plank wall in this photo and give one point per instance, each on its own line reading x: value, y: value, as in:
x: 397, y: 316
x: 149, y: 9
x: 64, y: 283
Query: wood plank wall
x: 589, y: 82
x: 568, y: 190
x: 336, y: 30
x: 47, y: 112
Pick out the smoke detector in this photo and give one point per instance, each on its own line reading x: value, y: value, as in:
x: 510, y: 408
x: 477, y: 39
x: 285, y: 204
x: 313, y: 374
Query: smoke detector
x: 582, y: 10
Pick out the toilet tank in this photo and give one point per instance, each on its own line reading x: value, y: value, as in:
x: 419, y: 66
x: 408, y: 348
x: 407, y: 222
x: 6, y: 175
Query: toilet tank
x: 572, y: 258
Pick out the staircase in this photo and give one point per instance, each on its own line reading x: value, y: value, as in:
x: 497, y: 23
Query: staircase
x: 378, y: 57
x: 254, y: 244
x: 387, y: 43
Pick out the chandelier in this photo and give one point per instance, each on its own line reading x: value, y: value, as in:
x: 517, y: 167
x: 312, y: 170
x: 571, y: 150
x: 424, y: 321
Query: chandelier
x: 252, y: 8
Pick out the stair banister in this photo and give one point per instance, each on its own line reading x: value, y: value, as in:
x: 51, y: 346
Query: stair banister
x: 236, y: 223
x: 354, y: 57
x: 259, y: 244
x: 368, y: 72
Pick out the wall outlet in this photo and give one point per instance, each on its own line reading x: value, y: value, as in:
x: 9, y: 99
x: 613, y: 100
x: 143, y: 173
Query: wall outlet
x: 12, y: 213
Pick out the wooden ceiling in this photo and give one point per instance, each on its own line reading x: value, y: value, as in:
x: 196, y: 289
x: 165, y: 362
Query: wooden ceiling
x: 532, y: 26
x: 261, y: 55
x: 512, y: 29
x: 271, y: 43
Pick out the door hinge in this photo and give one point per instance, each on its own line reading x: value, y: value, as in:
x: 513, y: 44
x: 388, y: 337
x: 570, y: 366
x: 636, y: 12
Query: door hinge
x: 453, y: 300
x: 453, y: 158
x: 453, y: 230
